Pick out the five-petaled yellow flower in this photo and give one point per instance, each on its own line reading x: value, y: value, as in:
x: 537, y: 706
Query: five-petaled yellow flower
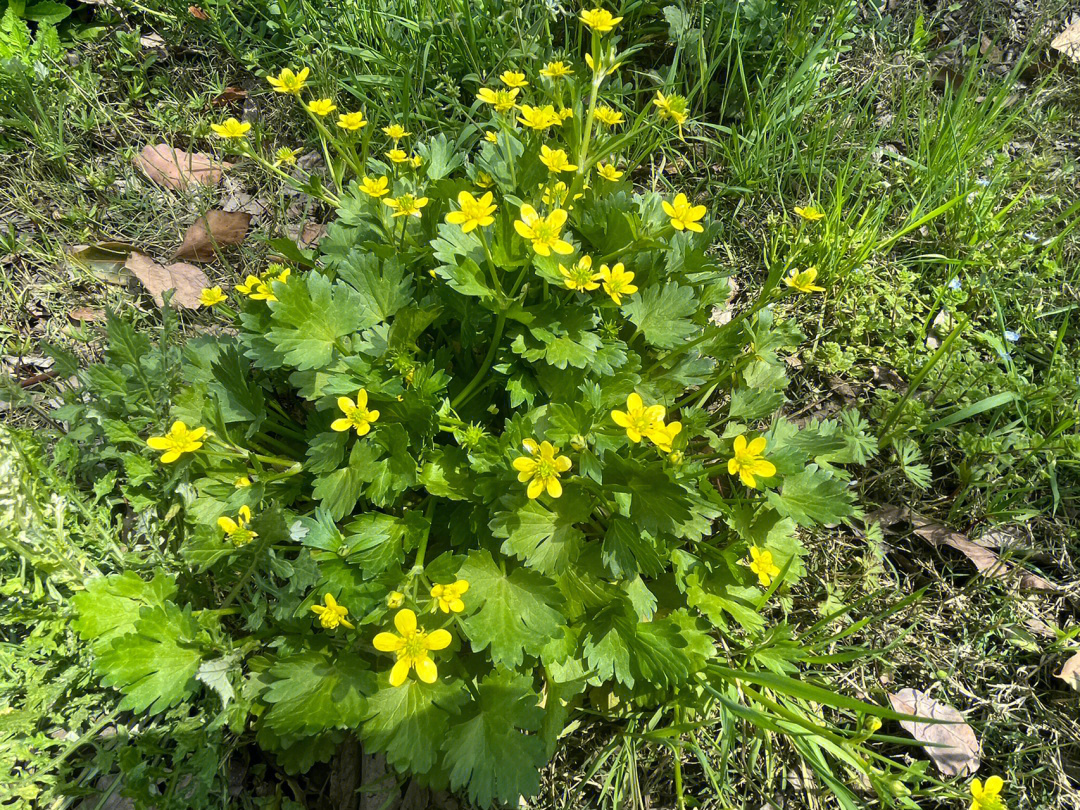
x: 600, y: 20
x: 810, y: 214
x: 673, y: 107
x: 375, y: 186
x: 231, y: 129
x: 608, y: 171
x: 406, y: 205
x: 473, y: 213
x: 177, y: 441
x: 501, y: 100
x: 545, y: 233
x: 617, y: 282
x: 448, y: 597
x: 352, y: 121
x: 639, y: 421
x: 331, y: 614
x: 663, y: 435
x: 321, y: 106
x: 988, y: 796
x: 513, y: 79
x: 608, y: 117
x: 541, y: 468
x: 412, y: 648
x: 289, y: 82
x: 236, y: 530
x: 579, y: 276
x: 556, y: 160
x: 356, y: 413
x: 395, y: 599
x: 211, y: 296
x: 803, y: 280
x: 539, y: 117
x: 749, y: 461
x: 256, y: 289
x: 556, y: 70
x: 684, y: 216
x: 415, y: 161
x: 395, y: 132
x: 398, y: 156
x: 761, y: 563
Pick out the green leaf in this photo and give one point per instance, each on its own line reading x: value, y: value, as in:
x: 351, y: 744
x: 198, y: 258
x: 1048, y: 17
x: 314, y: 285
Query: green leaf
x: 408, y: 723
x: 317, y: 690
x: 339, y: 491
x: 312, y: 315
x: 446, y: 474
x: 657, y: 504
x: 110, y: 605
x: 47, y: 12
x: 515, y: 614
x: 628, y: 550
x: 544, y: 538
x: 440, y: 157
x: 154, y: 666
x: 384, y: 287
x: 811, y: 497
x: 661, y: 313
x: 396, y: 470
x: 215, y: 674
x: 487, y: 751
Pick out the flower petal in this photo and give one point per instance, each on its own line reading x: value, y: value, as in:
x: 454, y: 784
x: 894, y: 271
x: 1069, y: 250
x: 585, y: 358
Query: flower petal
x: 438, y: 640
x: 757, y: 446
x: 346, y: 405
x: 739, y: 444
x: 554, y: 488
x: 405, y: 622
x: 426, y: 669
x: 400, y: 672
x: 384, y: 642
x: 536, y: 486
x: 340, y: 425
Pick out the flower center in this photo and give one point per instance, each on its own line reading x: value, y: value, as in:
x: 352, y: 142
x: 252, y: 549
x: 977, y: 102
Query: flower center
x: 414, y: 645
x: 545, y: 469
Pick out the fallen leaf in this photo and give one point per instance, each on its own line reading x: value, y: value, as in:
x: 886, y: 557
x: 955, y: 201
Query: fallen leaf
x: 986, y: 560
x: 198, y: 13
x: 230, y: 95
x: 1070, y: 672
x: 1068, y: 41
x: 86, y: 314
x: 104, y: 261
x: 888, y: 378
x: 177, y: 169
x: 186, y: 279
x: 218, y: 228
x: 955, y: 748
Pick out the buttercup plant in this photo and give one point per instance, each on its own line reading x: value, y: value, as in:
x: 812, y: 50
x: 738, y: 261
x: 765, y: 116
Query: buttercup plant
x: 496, y: 452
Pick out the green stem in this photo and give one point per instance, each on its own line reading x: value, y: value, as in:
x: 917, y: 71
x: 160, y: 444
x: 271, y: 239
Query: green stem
x: 488, y: 359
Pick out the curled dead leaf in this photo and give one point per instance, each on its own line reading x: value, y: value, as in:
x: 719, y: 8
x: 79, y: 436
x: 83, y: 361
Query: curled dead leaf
x: 177, y: 169
x: 186, y: 279
x: 104, y: 261
x: 85, y: 314
x: 198, y: 13
x: 1070, y: 672
x: 953, y: 746
x: 1068, y: 41
x: 214, y: 229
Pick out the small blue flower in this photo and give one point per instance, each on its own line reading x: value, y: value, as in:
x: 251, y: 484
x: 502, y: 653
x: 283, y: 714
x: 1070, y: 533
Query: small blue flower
x: 982, y: 182
x: 954, y: 284
x: 1012, y: 336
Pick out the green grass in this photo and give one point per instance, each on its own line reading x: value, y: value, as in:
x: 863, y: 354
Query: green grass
x: 924, y: 181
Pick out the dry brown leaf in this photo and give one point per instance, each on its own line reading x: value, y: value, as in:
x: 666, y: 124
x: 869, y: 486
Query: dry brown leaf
x: 230, y: 95
x: 186, y: 279
x: 218, y: 228
x: 198, y: 13
x: 986, y: 560
x: 1068, y: 41
x: 86, y: 314
x: 1070, y: 672
x: 955, y: 749
x: 104, y: 261
x: 311, y: 234
x: 177, y: 169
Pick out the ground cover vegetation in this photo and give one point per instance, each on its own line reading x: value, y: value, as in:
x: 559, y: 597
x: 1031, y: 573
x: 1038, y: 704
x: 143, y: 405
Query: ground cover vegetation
x: 666, y: 405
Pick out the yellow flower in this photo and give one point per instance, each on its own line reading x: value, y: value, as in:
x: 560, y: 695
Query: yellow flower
x: 608, y: 171
x: 749, y: 461
x: 683, y: 215
x: 491, y: 136
x: 812, y: 214
x: 600, y: 20
x: 236, y: 530
x: 501, y: 100
x: 397, y: 156
x: 545, y: 233
x: 211, y: 296
x: 395, y: 132
x: 242, y: 482
x: 601, y: 69
x: 289, y: 82
x: 556, y: 160
x: 231, y: 129
x: 761, y: 563
x: 331, y: 614
x: 637, y: 420
x: 617, y: 282
x: 395, y: 599
x: 285, y: 157
x: 256, y: 289
x: 321, y: 106
x: 663, y: 435
x: 556, y: 70
x: 415, y: 161
x: 988, y: 796
x: 177, y: 441
x: 356, y: 413
x: 580, y: 276
x: 608, y: 117
x: 673, y: 107
x: 541, y: 468
x: 352, y: 121
x: 474, y: 212
x: 449, y: 596
x: 513, y: 79
x: 484, y: 180
x: 803, y: 280
x: 412, y: 648
x: 406, y: 205
x: 539, y: 117
x: 375, y: 186
x: 556, y: 195
x: 565, y: 113
x: 277, y: 272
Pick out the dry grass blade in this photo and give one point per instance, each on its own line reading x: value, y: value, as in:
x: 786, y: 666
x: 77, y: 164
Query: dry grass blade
x: 186, y: 279
x: 214, y: 230
x: 955, y: 749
